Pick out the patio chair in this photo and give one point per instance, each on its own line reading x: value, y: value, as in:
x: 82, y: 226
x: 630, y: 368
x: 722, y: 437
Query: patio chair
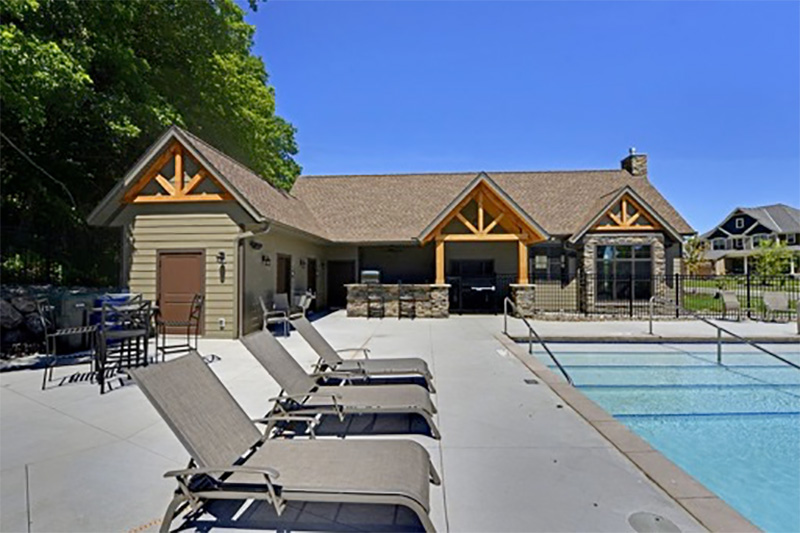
x: 232, y: 460
x: 273, y: 316
x: 730, y: 304
x: 52, y: 334
x: 302, y: 395
x: 191, y: 325
x: 329, y: 358
x: 776, y: 303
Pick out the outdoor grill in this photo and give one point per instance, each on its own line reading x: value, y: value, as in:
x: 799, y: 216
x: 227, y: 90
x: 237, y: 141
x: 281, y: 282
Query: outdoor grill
x: 370, y: 276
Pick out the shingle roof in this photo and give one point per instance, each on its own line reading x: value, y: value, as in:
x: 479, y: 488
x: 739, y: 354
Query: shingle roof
x: 780, y: 218
x: 273, y: 203
x: 396, y: 208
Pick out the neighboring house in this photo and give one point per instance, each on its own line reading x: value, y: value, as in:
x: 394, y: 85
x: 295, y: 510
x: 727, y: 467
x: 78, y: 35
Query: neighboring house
x: 221, y: 230
x: 733, y: 242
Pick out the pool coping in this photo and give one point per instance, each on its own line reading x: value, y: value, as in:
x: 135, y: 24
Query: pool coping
x: 655, y: 339
x: 700, y: 502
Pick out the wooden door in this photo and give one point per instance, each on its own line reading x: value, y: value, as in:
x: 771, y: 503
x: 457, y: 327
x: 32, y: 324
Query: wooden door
x: 181, y: 275
x: 311, y: 280
x: 339, y: 274
x: 283, y: 281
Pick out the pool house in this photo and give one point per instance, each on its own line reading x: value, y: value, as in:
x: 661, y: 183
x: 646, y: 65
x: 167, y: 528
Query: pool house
x: 196, y: 221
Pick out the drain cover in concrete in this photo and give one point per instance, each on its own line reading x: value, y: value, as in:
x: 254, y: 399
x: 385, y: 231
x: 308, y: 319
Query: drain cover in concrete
x: 651, y: 523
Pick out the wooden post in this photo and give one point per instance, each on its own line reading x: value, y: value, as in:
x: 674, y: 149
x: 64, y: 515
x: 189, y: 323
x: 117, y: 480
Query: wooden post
x: 522, y: 263
x: 439, y: 261
x: 178, y: 171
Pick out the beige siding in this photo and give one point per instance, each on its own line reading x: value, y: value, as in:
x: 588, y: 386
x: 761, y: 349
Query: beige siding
x: 212, y: 233
x: 260, y: 279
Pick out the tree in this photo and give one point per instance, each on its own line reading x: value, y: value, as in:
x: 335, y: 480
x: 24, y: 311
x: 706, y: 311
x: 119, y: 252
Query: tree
x: 694, y: 254
x: 87, y: 86
x: 772, y: 258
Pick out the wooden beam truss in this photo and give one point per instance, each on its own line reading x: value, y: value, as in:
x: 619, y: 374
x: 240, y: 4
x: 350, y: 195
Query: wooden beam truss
x: 492, y: 220
x: 178, y: 190
x: 627, y: 215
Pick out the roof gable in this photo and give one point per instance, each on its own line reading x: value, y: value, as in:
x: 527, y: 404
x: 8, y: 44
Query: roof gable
x: 505, y: 213
x: 625, y: 211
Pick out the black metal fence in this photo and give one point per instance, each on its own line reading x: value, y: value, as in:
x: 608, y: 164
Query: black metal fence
x: 598, y: 295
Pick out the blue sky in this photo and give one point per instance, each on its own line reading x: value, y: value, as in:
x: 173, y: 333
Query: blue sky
x: 710, y: 91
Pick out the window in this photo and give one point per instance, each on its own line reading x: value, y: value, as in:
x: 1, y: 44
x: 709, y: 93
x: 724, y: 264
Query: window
x: 739, y: 223
x: 719, y: 244
x: 791, y: 238
x: 738, y: 244
x: 624, y: 273
x: 547, y: 263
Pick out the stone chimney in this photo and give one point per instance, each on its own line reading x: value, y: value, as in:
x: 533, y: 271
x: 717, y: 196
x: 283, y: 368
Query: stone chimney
x: 635, y: 163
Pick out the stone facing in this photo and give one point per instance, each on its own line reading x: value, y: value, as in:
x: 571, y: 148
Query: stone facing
x: 524, y: 297
x: 424, y: 301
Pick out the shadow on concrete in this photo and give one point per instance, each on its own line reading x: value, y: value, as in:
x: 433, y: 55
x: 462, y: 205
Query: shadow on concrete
x: 298, y: 516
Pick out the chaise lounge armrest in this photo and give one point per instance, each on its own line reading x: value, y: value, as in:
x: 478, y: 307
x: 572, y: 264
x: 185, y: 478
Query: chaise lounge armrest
x: 365, y: 351
x: 299, y: 397
x: 312, y: 422
x: 266, y: 471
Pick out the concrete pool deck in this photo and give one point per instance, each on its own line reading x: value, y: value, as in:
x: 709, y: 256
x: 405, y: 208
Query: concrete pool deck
x: 515, y: 455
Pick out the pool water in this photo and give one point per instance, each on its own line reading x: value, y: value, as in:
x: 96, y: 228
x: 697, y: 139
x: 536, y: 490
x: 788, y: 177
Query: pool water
x: 735, y: 427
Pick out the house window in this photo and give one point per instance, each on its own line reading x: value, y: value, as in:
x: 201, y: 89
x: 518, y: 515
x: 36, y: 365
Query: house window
x: 548, y: 263
x: 738, y: 244
x: 739, y: 223
x: 719, y: 244
x: 791, y: 238
x: 624, y: 273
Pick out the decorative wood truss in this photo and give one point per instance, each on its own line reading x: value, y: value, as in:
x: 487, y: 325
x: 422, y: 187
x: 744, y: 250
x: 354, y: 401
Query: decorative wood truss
x: 483, y: 216
x: 176, y: 177
x: 626, y: 215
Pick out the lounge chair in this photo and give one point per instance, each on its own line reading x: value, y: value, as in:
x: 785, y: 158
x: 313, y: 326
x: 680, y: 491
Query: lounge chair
x: 232, y: 460
x: 776, y: 303
x: 329, y: 358
x: 273, y: 316
x: 730, y: 304
x: 302, y: 395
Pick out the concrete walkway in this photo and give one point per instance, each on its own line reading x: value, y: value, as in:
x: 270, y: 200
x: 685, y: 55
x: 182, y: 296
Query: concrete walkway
x: 514, y: 456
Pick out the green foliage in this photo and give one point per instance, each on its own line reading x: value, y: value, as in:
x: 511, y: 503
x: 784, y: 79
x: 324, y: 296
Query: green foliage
x: 694, y: 254
x: 87, y: 86
x: 772, y: 258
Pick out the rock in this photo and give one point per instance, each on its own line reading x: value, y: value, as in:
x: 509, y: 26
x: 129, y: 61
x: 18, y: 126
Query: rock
x: 10, y: 318
x: 24, y: 304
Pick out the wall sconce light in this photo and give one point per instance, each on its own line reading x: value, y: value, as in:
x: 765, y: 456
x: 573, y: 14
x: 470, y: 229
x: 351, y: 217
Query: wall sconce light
x: 266, y: 261
x: 302, y: 263
x: 221, y: 262
x: 255, y: 245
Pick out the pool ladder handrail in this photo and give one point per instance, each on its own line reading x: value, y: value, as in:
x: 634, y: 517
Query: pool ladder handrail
x: 720, y: 330
x: 531, y: 334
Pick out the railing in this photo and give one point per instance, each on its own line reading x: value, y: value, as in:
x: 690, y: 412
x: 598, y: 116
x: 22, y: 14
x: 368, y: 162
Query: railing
x: 720, y: 330
x: 531, y: 334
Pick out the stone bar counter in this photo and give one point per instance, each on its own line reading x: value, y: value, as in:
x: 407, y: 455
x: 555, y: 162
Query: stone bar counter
x: 383, y: 299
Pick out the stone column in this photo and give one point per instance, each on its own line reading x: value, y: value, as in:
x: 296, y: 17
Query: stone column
x: 524, y: 296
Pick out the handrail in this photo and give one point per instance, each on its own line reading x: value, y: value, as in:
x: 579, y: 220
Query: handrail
x: 531, y: 333
x: 720, y: 330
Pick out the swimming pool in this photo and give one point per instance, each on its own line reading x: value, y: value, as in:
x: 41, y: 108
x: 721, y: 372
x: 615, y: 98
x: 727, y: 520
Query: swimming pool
x: 735, y: 427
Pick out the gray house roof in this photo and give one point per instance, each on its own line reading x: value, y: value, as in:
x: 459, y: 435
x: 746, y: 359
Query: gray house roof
x: 780, y: 218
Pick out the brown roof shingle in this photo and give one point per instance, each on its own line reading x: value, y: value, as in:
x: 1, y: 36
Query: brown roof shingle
x: 396, y: 208
x: 275, y: 204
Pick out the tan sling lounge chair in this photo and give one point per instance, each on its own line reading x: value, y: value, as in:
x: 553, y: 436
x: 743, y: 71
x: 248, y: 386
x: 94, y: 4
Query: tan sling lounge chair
x: 302, y: 395
x: 776, y: 303
x: 232, y: 460
x: 368, y: 368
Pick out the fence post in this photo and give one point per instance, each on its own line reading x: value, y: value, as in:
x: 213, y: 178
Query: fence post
x: 748, y: 294
x: 719, y: 346
x: 630, y: 296
x: 677, y: 295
